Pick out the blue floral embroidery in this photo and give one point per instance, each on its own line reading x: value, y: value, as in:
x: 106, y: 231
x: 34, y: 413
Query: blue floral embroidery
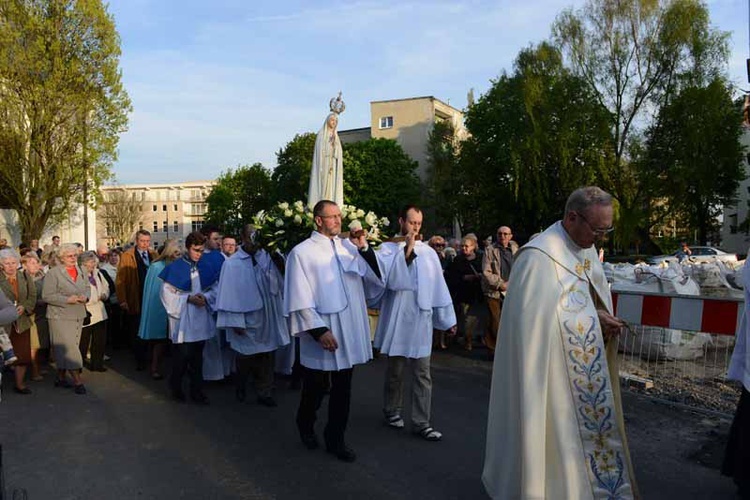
x: 590, y: 389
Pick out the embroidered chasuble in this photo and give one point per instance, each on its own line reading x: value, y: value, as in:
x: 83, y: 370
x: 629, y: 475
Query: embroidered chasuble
x: 555, y: 427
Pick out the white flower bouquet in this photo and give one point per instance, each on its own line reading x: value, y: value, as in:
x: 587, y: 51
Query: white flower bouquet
x: 287, y: 224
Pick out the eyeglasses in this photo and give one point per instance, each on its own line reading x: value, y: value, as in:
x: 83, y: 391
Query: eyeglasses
x: 336, y: 216
x: 597, y: 232
x: 504, y: 234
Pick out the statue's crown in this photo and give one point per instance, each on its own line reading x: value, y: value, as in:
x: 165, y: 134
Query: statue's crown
x: 337, y: 104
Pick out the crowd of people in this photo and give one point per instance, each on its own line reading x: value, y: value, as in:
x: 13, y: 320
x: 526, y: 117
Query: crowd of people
x: 229, y: 310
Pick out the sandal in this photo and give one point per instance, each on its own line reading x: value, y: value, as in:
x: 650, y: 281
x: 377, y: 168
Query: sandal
x: 395, y: 421
x: 430, y: 434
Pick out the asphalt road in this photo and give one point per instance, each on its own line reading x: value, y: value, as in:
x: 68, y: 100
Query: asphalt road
x: 126, y: 439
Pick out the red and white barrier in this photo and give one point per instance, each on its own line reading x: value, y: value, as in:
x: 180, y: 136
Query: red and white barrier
x: 681, y: 312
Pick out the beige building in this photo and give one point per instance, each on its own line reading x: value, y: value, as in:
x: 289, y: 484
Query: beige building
x: 165, y: 210
x: 734, y: 234
x: 409, y: 122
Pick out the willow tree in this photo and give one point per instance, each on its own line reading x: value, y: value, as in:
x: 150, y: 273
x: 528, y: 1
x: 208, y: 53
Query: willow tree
x: 62, y: 107
x: 635, y: 55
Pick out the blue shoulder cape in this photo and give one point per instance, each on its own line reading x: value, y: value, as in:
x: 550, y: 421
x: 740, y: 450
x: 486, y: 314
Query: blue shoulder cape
x: 177, y: 273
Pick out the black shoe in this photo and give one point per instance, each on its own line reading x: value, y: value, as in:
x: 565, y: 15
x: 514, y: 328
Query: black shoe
x: 310, y: 441
x: 79, y: 389
x: 64, y: 383
x: 240, y: 394
x: 199, y: 398
x: 267, y: 401
x: 25, y: 390
x: 343, y: 453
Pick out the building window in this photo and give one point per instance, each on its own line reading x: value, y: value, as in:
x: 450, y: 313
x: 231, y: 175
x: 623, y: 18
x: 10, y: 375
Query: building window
x: 156, y: 245
x: 174, y: 207
x: 196, y: 225
x: 154, y: 206
x: 732, y: 224
x: 198, y: 208
x: 165, y: 227
x: 386, y: 122
x: 140, y: 226
x: 176, y: 227
x: 109, y: 229
x: 156, y: 227
x: 177, y: 195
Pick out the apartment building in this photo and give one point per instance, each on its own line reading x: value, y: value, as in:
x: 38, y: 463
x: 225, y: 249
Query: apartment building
x: 166, y: 210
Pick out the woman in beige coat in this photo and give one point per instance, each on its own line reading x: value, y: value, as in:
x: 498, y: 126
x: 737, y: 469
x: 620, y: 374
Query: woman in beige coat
x: 66, y: 291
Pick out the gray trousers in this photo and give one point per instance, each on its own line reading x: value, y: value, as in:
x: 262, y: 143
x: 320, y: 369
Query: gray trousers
x: 421, y: 389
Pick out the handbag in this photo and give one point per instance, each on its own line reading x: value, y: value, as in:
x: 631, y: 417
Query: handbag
x: 87, y: 319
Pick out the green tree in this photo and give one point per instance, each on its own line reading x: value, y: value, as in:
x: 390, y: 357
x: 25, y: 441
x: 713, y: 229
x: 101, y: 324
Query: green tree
x: 379, y: 176
x: 444, y: 184
x: 634, y: 55
x: 237, y: 196
x: 536, y: 135
x: 694, y: 155
x: 291, y: 177
x: 62, y: 106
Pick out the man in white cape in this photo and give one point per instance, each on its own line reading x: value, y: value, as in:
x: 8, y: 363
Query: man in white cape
x: 189, y: 295
x: 415, y: 302
x: 328, y: 283
x: 249, y: 307
x: 555, y: 426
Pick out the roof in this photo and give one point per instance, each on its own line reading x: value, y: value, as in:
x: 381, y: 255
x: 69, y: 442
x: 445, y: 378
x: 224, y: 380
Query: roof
x: 432, y: 98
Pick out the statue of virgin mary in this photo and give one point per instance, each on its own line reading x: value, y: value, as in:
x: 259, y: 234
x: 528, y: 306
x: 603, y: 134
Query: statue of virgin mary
x: 327, y: 175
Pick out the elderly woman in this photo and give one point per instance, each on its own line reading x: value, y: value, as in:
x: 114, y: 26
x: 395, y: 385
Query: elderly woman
x: 32, y: 266
x: 66, y: 291
x: 94, y: 332
x: 19, y: 289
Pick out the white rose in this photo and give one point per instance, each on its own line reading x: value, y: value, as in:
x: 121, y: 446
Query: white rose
x: 279, y: 222
x: 360, y: 213
x: 371, y: 219
x: 352, y: 215
x: 287, y: 213
x: 284, y: 205
x: 385, y: 222
x: 298, y: 204
x: 297, y: 219
x: 309, y: 215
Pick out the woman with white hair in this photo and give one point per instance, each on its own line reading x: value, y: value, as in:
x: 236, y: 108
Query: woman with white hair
x: 94, y: 332
x: 20, y: 289
x: 66, y: 291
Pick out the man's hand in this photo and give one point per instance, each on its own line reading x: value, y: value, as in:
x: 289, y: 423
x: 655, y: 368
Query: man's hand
x: 611, y: 325
x: 82, y: 299
x: 20, y: 310
x: 359, y: 241
x: 410, y: 238
x: 504, y: 286
x: 197, y: 300
x: 328, y: 341
x: 73, y: 299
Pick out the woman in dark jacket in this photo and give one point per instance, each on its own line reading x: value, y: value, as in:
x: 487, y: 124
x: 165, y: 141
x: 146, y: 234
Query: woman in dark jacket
x: 463, y: 278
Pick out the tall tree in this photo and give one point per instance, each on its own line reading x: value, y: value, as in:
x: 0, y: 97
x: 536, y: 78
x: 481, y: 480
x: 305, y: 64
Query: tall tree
x: 634, y: 55
x: 120, y: 214
x: 237, y: 196
x: 694, y: 158
x: 444, y: 180
x: 379, y: 176
x: 535, y: 136
x: 291, y: 177
x: 62, y: 106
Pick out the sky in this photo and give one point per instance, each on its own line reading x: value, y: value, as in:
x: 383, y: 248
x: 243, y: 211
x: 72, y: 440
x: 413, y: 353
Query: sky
x: 225, y: 83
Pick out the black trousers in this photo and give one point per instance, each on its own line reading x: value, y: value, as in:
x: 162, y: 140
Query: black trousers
x: 737, y: 456
x: 96, y: 336
x: 314, y: 385
x: 261, y: 367
x: 188, y: 357
x: 139, y: 346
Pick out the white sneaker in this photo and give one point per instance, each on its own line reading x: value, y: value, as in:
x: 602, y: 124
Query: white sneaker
x: 395, y: 421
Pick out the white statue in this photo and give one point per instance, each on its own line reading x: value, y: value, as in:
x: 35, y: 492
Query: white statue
x: 327, y: 175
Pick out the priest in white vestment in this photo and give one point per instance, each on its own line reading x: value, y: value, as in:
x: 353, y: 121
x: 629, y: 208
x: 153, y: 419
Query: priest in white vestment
x: 555, y: 426
x: 415, y: 302
x: 249, y: 308
x: 189, y: 295
x: 328, y: 284
x: 218, y: 358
